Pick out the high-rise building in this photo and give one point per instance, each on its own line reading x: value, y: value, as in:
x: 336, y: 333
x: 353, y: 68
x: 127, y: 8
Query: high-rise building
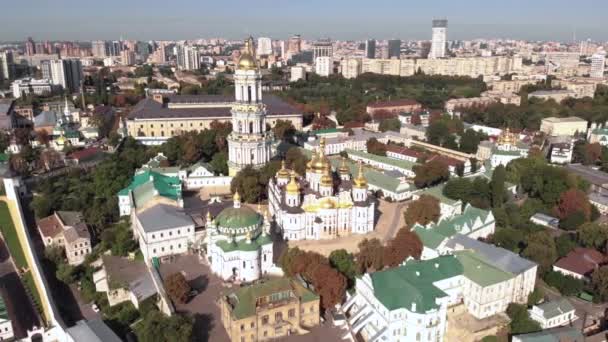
x: 99, y: 48
x: 322, y: 48
x: 439, y: 39
x: 127, y: 57
x: 598, y: 64
x: 188, y: 57
x: 30, y: 47
x: 114, y: 48
x: 6, y: 65
x: 264, y: 46
x: 143, y: 50
x: 324, y: 66
x: 295, y: 45
x: 64, y: 72
x: 394, y: 48
x: 370, y: 48
x: 351, y: 67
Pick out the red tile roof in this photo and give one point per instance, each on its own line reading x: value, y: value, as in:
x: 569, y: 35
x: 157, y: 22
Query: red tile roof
x: 582, y: 261
x: 447, y: 160
x: 84, y: 154
x: 50, y: 226
x: 404, y: 151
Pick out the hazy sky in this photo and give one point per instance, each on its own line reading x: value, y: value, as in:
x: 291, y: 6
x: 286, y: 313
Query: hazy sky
x: 338, y: 19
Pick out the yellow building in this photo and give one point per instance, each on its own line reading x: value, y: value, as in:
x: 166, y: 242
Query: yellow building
x: 553, y: 126
x: 275, y: 308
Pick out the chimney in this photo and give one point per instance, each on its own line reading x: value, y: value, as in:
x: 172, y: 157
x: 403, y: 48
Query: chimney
x: 158, y: 98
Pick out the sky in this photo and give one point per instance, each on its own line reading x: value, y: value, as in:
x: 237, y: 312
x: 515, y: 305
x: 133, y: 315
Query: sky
x: 338, y: 19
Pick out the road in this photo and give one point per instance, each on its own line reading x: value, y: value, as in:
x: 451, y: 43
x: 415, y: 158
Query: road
x: 397, y: 214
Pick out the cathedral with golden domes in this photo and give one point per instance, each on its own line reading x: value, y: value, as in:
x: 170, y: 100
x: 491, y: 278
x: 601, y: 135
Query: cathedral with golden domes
x: 323, y: 204
x: 250, y: 142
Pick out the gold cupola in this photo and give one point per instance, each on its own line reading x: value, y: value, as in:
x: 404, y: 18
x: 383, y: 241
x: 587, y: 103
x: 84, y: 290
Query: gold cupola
x: 247, y: 59
x: 319, y: 163
x: 236, y: 197
x: 326, y: 179
x: 283, y: 172
x: 343, y: 170
x: 292, y: 187
x: 360, y: 181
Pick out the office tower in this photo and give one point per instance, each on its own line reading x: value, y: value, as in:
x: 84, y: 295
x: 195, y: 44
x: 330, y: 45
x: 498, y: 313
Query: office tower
x: 322, y: 48
x: 143, y: 50
x: 127, y: 57
x: 64, y: 72
x: 6, y: 65
x: 98, y: 47
x: 264, y: 46
x: 394, y: 48
x: 30, y: 48
x: 48, y: 47
x: 114, y: 48
x: 188, y: 57
x: 598, y: 64
x: 324, y: 66
x: 295, y: 45
x: 370, y: 48
x: 438, y: 41
x: 39, y: 48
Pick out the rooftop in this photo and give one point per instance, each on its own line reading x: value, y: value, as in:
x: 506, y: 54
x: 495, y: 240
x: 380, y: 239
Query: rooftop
x: 393, y: 103
x: 402, y: 164
x: 562, y: 334
x: 163, y: 216
x: 581, y: 261
x: 92, y: 331
x: 555, y: 308
x: 479, y: 271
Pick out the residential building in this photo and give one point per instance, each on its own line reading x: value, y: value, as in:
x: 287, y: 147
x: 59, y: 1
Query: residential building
x: 26, y: 86
x: 439, y: 39
x: 370, y: 48
x: 351, y: 67
x: 123, y: 280
x: 598, y: 64
x: 579, y: 86
x: 7, y: 65
x: 553, y: 313
x: 127, y: 57
x: 294, y: 46
x: 100, y: 48
x: 394, y: 49
x: 404, y: 153
x: 94, y: 330
x: 6, y: 325
x: 297, y: 73
x: 162, y: 230
x: 312, y: 209
x: 454, y: 104
x: 510, y: 86
x: 545, y: 220
x: 324, y: 66
x: 147, y: 186
x: 394, y: 106
x: 66, y: 229
x: 413, y: 132
x: 188, y: 57
x: 420, y: 118
x: 66, y: 73
x: 568, y: 126
x: 402, y: 166
x: 555, y: 95
x: 272, y: 309
x: 561, y: 63
x: 238, y: 243
x: 322, y: 48
x: 600, y: 201
x: 570, y: 334
x: 264, y: 47
x: 580, y: 263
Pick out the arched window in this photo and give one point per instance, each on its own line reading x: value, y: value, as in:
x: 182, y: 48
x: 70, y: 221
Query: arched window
x: 250, y: 127
x: 240, y: 127
x: 249, y: 94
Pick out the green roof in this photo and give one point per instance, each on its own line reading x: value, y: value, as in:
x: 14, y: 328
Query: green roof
x: 243, y: 300
x: 326, y: 131
x: 4, y: 157
x: 437, y: 192
x: 553, y: 335
x: 3, y: 311
x: 433, y: 235
x: 402, y: 164
x: 243, y: 245
x: 480, y: 272
x: 508, y: 153
x: 238, y: 217
x: 145, y: 185
x: 412, y: 283
x: 374, y: 177
x: 555, y: 308
x: 600, y: 131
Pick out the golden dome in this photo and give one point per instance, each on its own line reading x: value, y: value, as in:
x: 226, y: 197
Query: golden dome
x: 326, y: 179
x: 247, y: 59
x: 507, y: 138
x: 283, y: 172
x: 360, y: 181
x: 236, y: 197
x: 343, y: 167
x: 319, y: 163
x: 327, y: 203
x: 292, y: 187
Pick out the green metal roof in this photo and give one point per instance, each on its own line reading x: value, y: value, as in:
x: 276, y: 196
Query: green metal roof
x: 403, y: 164
x: 437, y: 192
x: 412, y: 283
x: 145, y: 184
x: 507, y: 153
x: 326, y: 131
x: 244, y: 299
x: 429, y: 237
x: 553, y: 335
x: 243, y: 245
x: 480, y: 272
x: 374, y: 177
x: 238, y: 218
x: 555, y: 308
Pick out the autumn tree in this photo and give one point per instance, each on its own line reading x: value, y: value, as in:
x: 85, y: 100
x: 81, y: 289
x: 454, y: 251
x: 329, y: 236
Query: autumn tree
x: 296, y: 160
x: 177, y: 287
x: 573, y: 201
x: 370, y: 257
x: 405, y: 244
x: 431, y: 173
x: 43, y: 137
x: 283, y: 130
x: 423, y: 211
x: 373, y: 146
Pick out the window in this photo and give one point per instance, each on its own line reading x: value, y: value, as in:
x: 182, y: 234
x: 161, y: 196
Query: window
x: 242, y: 327
x: 252, y: 325
x: 264, y: 321
x: 291, y: 313
x: 278, y: 316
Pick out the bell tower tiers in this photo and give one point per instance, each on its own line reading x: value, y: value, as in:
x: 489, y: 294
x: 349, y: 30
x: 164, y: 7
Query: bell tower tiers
x: 249, y: 143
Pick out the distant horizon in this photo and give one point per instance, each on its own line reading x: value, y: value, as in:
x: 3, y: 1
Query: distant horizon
x: 70, y: 20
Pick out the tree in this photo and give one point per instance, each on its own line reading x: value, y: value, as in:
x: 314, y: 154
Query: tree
x: 573, y: 201
x: 370, y: 256
x: 593, y: 235
x: 469, y: 141
x: 157, y: 327
x: 296, y: 160
x: 566, y: 285
x: 329, y: 284
x: 375, y: 147
x: 177, y: 287
x: 536, y: 296
x: 437, y: 132
x: 422, y: 211
x: 247, y: 185
x: 572, y: 221
x: 564, y: 244
x: 405, y: 244
x: 521, y: 323
x: 219, y: 163
x: 431, y: 173
x: 344, y: 262
x: 541, y: 249
x: 508, y: 238
x: 391, y: 124
x: 283, y: 130
x: 5, y: 140
x: 43, y: 137
x: 599, y: 283
x: 498, y: 186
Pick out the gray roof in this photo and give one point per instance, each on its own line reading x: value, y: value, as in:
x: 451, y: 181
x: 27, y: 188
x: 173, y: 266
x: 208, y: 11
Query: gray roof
x: 598, y: 198
x: 163, y: 216
x: 130, y: 274
x: 92, y: 331
x: 46, y: 118
x: 150, y: 109
x: 555, y: 308
x: 496, y: 256
x: 561, y: 334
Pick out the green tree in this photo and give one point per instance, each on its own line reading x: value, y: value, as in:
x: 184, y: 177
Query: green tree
x: 373, y: 146
x: 344, y: 262
x: 498, y: 186
x: 219, y: 163
x: 157, y: 327
x: 566, y: 285
x: 564, y: 244
x: 521, y: 322
x: 296, y: 160
x: 593, y: 235
x: 431, y: 173
x: 599, y: 283
x: 541, y: 249
x: 391, y: 124
x: 283, y: 130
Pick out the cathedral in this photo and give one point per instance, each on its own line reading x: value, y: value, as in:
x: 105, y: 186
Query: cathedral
x: 322, y: 205
x: 250, y: 142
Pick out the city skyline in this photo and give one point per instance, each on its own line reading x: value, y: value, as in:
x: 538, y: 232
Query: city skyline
x: 472, y: 19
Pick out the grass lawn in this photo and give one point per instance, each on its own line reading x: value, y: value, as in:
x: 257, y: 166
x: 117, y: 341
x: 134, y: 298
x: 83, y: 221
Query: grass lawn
x: 10, y: 236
